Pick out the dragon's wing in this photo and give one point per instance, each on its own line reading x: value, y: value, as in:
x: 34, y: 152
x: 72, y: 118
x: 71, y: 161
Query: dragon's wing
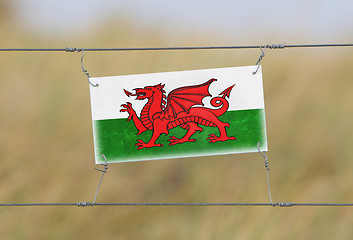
x: 182, y: 99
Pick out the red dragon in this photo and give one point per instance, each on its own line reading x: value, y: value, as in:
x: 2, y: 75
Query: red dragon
x: 183, y: 108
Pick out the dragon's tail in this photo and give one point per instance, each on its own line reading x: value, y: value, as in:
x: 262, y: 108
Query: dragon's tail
x: 221, y: 102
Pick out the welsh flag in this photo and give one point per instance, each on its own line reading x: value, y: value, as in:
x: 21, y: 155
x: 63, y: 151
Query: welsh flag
x: 178, y: 114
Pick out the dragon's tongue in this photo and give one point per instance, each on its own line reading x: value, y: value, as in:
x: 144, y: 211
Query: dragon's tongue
x: 129, y: 93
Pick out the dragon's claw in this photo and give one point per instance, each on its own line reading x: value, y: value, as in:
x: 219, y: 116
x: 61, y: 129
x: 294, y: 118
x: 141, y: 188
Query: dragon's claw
x: 128, y: 108
x: 141, y: 144
x: 174, y: 140
x: 213, y: 138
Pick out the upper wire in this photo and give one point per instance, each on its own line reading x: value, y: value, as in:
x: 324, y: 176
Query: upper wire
x: 84, y: 204
x: 271, y: 46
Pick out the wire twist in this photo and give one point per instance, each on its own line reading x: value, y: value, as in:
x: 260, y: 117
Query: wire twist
x: 84, y: 70
x: 68, y: 49
x: 105, y: 164
x: 263, y: 48
x: 284, y: 204
x: 260, y: 59
x: 276, y: 46
x: 84, y: 204
x: 263, y: 154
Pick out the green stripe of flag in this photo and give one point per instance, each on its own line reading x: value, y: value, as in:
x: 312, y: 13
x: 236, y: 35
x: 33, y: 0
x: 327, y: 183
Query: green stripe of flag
x: 116, y: 138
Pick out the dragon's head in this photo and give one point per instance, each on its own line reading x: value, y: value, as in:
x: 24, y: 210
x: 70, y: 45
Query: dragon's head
x: 146, y: 92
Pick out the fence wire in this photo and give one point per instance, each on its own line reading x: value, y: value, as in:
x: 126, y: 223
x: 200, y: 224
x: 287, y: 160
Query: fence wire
x: 89, y: 204
x: 269, y: 46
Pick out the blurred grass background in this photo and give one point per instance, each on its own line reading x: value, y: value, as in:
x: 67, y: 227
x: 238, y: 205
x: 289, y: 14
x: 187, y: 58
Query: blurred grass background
x: 47, y: 145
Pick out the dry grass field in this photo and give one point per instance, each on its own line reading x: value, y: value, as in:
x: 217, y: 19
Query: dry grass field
x: 46, y: 145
